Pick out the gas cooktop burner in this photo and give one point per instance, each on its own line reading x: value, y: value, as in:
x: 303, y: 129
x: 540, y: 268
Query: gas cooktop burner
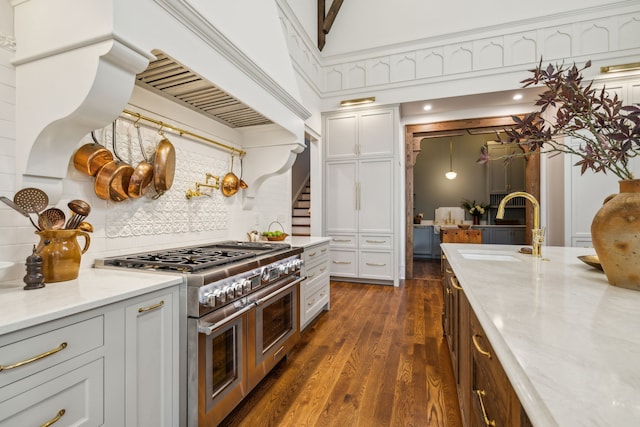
x: 195, y: 258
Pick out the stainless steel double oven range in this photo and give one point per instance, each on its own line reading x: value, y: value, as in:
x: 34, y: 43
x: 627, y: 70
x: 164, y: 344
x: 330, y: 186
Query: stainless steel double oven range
x: 242, y: 304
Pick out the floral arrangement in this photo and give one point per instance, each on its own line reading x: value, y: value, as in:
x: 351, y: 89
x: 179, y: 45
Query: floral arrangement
x: 609, y: 133
x: 474, y: 209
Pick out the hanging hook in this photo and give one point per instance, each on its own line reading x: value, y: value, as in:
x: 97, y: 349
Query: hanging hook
x: 136, y: 122
x: 160, y: 131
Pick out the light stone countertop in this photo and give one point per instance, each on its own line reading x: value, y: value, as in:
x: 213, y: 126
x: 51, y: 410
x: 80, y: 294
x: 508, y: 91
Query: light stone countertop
x: 568, y: 341
x: 93, y: 288
x: 304, y: 241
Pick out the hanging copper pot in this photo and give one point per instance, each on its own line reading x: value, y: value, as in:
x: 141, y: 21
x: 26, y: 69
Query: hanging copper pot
x: 164, y: 167
x: 89, y: 158
x: 142, y: 176
x: 112, y: 180
x: 230, y: 182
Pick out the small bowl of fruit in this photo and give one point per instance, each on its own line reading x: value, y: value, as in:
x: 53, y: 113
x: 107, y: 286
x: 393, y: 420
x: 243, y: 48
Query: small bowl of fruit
x: 276, y: 235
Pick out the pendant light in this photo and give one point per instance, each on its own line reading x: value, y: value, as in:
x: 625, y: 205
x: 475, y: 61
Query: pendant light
x: 451, y: 174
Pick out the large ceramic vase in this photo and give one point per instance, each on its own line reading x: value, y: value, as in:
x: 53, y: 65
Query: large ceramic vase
x: 615, y: 233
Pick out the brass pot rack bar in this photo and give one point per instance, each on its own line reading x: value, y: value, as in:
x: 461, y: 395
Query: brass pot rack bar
x: 180, y: 131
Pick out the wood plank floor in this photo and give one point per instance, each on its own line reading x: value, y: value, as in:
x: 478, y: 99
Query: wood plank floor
x: 377, y: 358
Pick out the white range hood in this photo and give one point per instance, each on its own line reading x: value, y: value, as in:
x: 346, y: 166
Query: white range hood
x: 77, y: 62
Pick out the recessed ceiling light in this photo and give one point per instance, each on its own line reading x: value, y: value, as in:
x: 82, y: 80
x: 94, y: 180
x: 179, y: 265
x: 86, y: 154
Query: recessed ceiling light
x: 427, y: 107
x: 517, y: 96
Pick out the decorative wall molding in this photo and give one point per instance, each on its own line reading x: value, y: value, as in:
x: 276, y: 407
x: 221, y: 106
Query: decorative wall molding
x: 8, y: 42
x: 597, y: 33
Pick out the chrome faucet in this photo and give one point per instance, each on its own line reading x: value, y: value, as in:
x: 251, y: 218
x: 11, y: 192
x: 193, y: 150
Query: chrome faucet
x: 537, y: 233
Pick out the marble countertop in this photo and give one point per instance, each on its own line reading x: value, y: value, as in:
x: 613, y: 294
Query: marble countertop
x: 568, y: 341
x: 306, y: 241
x: 93, y: 288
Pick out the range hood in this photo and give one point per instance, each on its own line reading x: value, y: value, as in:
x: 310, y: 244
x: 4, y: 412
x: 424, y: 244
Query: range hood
x: 75, y: 72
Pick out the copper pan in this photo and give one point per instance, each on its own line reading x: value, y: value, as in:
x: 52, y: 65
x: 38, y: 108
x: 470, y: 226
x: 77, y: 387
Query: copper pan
x: 142, y: 176
x: 230, y: 182
x: 164, y: 166
x: 112, y: 180
x: 89, y: 158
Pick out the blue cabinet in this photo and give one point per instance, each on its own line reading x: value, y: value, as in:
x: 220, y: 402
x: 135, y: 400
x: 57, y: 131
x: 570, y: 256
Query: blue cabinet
x: 426, y: 244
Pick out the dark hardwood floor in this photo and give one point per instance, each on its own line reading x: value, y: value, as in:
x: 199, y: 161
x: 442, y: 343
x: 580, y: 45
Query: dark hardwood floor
x: 377, y: 358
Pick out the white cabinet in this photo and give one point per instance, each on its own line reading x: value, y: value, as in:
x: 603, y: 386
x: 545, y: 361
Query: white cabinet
x: 112, y: 365
x: 315, y: 290
x: 151, y: 342
x: 361, y: 193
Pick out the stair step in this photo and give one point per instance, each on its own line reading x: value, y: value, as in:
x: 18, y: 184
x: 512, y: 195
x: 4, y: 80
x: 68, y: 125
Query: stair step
x: 298, y: 230
x: 301, y: 220
x: 302, y: 204
x: 301, y: 212
x: 304, y: 196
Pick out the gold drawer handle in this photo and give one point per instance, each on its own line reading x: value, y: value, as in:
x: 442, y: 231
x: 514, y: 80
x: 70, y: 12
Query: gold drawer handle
x: 449, y: 291
x: 342, y: 262
x: 454, y: 283
x: 487, y: 421
x: 323, y: 250
x: 151, y: 307
x: 55, y: 419
x: 373, y: 264
x: 313, y: 254
x: 310, y: 275
x: 33, y: 359
x: 342, y: 240
x: 475, y: 337
x: 323, y: 268
x: 448, y: 270
x: 375, y: 241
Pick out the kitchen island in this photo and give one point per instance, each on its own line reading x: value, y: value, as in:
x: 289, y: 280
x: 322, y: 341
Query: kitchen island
x: 566, y: 339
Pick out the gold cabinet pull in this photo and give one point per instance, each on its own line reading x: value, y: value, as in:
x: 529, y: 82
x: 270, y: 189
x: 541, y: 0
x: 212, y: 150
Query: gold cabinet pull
x: 454, y: 283
x: 342, y: 262
x: 374, y: 264
x: 487, y: 421
x: 151, y: 307
x: 312, y: 254
x: 449, y: 291
x: 448, y: 270
x: 342, y: 240
x: 323, y: 268
x: 375, y: 241
x: 55, y: 419
x: 310, y: 275
x: 323, y: 250
x: 33, y: 359
x: 475, y: 337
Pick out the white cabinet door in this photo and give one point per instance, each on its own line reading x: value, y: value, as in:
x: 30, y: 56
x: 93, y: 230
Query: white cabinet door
x: 342, y: 136
x: 151, y: 359
x: 341, y: 193
x: 375, y: 134
x: 375, y: 207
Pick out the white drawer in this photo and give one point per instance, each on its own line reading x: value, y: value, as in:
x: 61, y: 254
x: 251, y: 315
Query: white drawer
x: 76, y: 397
x: 27, y: 356
x: 314, y: 301
x: 317, y: 269
x: 344, y: 241
x: 375, y: 241
x: 316, y: 254
x: 343, y: 262
x: 376, y: 265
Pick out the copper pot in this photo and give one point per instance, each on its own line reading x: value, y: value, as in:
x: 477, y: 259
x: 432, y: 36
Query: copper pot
x: 230, y: 182
x: 164, y: 167
x: 142, y: 176
x: 90, y: 158
x: 112, y: 180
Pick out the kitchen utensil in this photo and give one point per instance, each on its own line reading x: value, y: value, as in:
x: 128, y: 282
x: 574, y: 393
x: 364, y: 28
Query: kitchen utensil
x: 32, y: 200
x: 230, y: 182
x: 142, y: 176
x: 85, y: 226
x: 164, y: 166
x: 242, y: 184
x: 51, y: 219
x: 61, y: 253
x: 90, y: 158
x: 18, y: 209
x: 112, y: 180
x: 80, y: 209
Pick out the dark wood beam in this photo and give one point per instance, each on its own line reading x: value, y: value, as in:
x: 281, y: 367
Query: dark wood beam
x: 321, y: 34
x: 331, y: 16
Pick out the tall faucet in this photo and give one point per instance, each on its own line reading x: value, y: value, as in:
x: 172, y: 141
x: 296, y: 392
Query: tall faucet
x: 537, y: 233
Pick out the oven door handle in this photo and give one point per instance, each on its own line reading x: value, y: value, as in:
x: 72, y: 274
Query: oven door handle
x: 209, y: 328
x: 279, y: 291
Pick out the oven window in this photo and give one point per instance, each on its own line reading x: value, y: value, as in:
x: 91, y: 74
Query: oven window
x: 277, y: 320
x: 224, y: 369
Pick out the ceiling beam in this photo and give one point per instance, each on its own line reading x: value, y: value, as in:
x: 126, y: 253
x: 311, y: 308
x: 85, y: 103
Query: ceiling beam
x: 326, y: 22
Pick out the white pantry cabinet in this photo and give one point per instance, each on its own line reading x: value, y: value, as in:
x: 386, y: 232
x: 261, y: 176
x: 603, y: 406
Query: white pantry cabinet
x: 112, y: 365
x: 360, y: 193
